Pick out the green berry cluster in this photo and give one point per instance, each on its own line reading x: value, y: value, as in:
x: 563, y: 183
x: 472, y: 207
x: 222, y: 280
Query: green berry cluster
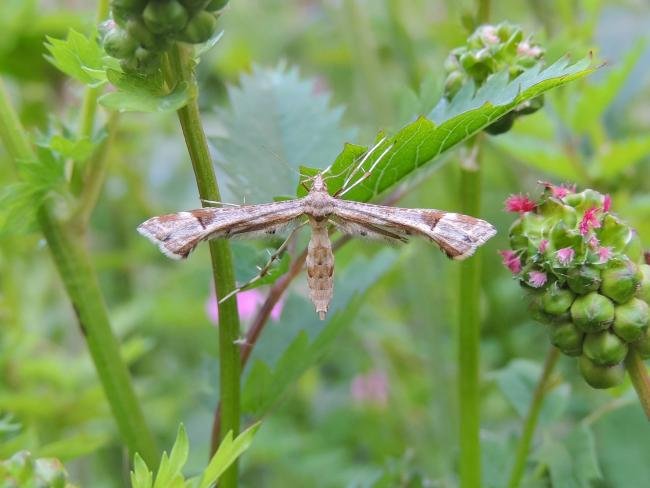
x: 141, y: 30
x: 492, y: 49
x: 584, y: 272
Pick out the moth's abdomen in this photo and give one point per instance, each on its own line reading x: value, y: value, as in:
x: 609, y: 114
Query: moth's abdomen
x: 320, y: 268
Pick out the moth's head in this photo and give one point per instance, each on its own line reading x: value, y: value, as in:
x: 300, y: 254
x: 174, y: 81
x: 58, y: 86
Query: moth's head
x: 318, y: 184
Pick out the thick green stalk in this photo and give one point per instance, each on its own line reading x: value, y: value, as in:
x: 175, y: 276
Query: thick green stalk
x: 469, y: 338
x: 638, y: 372
x: 73, y: 263
x: 179, y: 68
x: 530, y: 423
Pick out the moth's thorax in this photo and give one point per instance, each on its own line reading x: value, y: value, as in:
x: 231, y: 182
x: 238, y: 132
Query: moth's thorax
x: 319, y: 203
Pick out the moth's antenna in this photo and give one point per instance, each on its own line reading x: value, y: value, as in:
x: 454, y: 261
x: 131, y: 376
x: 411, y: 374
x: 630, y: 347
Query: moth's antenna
x: 367, y: 173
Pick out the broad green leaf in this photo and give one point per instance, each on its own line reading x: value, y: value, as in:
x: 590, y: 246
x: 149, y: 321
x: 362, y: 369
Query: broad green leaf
x: 229, y: 450
x: 137, y: 93
x: 449, y: 124
x: 141, y: 477
x: 619, y: 155
x: 265, y: 384
x: 595, y: 98
x: 572, y: 462
x: 171, y: 467
x: 78, y: 56
x: 276, y: 122
x: 622, y: 440
x: 543, y: 155
x: 517, y: 382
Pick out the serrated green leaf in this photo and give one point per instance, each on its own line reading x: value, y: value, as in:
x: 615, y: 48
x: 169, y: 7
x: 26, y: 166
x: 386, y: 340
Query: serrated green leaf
x: 141, y: 477
x: 229, y: 450
x: 265, y: 385
x: 277, y: 121
x: 619, y: 155
x: 595, y: 98
x: 171, y: 467
x: 572, y: 462
x: 517, y: 382
x: 78, y: 56
x: 75, y: 149
x: 139, y: 93
x: 394, y: 158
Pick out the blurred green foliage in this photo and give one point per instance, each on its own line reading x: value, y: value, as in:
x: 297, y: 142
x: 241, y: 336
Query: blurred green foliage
x: 377, y: 406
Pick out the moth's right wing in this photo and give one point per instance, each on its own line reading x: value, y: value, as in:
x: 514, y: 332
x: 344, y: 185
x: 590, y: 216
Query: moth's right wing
x: 179, y: 233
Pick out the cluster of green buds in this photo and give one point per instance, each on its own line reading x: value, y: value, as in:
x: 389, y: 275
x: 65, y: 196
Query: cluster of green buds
x: 493, y: 49
x: 22, y: 469
x: 140, y: 31
x: 584, y: 271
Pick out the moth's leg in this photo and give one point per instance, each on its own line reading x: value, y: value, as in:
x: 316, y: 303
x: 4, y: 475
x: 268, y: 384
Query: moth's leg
x: 265, y: 269
x: 359, y: 166
x: 219, y: 204
x: 365, y: 175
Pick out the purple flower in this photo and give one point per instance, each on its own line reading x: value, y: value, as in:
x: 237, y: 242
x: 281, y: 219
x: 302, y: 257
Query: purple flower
x: 370, y: 388
x: 565, y: 255
x: 511, y: 261
x: 248, y: 303
x: 537, y: 279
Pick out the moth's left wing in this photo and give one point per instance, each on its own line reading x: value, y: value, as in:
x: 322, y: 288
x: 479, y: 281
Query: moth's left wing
x: 179, y: 233
x: 457, y: 235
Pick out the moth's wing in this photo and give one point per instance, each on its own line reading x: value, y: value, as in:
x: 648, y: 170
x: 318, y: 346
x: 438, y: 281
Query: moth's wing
x: 457, y: 235
x: 179, y: 233
x: 369, y: 231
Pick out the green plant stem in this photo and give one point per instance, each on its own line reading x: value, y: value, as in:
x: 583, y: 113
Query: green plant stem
x: 469, y: 337
x: 639, y: 375
x: 74, y: 266
x: 179, y: 69
x: 530, y: 423
x: 483, y: 14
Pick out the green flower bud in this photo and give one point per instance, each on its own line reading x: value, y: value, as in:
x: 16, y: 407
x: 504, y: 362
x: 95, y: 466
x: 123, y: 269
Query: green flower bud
x: 138, y: 31
x: 634, y: 247
x: 504, y: 124
x: 454, y: 82
x: 147, y: 61
x: 600, y: 376
x: 642, y: 344
x: 592, y: 312
x: 621, y: 281
x: 564, y: 236
x: 604, y: 348
x: 535, y: 307
x: 554, y: 209
x: 164, y: 16
x: 643, y: 292
x: 556, y: 300
x: 614, y: 232
x: 200, y: 28
x: 631, y: 319
x: 119, y: 44
x: 123, y: 10
x: 567, y: 338
x: 585, y: 200
x: 584, y: 279
x: 215, y: 5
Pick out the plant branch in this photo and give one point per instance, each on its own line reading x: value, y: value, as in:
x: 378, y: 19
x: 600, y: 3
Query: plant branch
x: 180, y: 68
x: 74, y: 266
x: 469, y: 332
x: 530, y: 423
x: 639, y: 375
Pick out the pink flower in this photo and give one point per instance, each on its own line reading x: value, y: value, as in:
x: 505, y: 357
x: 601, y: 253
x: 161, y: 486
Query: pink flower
x: 489, y: 35
x: 607, y: 203
x: 525, y: 49
x: 370, y: 388
x: 593, y: 242
x: 511, y: 261
x: 590, y: 220
x: 565, y: 255
x: 248, y: 303
x: 537, y: 279
x: 558, y: 191
x: 520, y: 204
x: 543, y: 246
x: 604, y: 253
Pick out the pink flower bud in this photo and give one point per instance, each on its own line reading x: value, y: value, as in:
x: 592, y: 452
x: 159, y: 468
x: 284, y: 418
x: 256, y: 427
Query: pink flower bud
x: 543, y: 246
x: 607, y: 203
x: 520, y: 204
x: 565, y: 255
x: 590, y: 220
x: 604, y: 253
x: 537, y: 279
x: 511, y: 261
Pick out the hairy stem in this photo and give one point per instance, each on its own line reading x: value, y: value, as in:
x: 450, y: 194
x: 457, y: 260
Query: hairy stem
x: 530, y: 423
x: 74, y: 266
x: 469, y: 334
x: 639, y: 375
x: 179, y: 69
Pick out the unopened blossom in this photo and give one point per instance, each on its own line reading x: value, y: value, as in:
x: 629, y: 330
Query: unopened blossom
x: 604, y: 253
x: 593, y: 242
x: 537, y: 279
x: 248, y: 304
x: 565, y: 255
x: 520, y: 204
x: 590, y: 220
x: 525, y: 49
x: 511, y: 261
x: 607, y: 203
x: 489, y: 35
x: 543, y: 246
